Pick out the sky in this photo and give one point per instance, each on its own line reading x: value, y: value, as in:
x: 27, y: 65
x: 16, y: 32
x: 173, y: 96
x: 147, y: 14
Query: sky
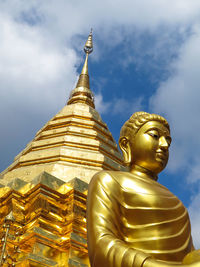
x: 146, y: 57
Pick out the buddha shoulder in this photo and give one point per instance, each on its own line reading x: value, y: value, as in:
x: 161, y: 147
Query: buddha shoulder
x: 125, y: 181
x: 108, y: 181
x: 110, y: 178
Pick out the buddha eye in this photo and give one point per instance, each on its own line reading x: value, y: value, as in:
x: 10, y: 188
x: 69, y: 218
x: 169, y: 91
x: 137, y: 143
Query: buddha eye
x: 154, y: 134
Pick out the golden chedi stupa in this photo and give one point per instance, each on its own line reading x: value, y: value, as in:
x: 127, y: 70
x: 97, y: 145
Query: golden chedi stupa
x: 43, y: 192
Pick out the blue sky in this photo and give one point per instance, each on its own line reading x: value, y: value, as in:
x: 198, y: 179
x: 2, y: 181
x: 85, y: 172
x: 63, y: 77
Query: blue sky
x: 146, y: 57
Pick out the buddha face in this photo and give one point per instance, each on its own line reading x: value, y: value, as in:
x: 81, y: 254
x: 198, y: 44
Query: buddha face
x: 150, y: 147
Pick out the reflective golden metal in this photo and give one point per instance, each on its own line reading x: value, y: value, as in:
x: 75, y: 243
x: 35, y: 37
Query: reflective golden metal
x: 82, y: 92
x: 8, y: 254
x: 132, y: 220
x: 88, y: 48
x: 74, y: 143
x: 48, y: 202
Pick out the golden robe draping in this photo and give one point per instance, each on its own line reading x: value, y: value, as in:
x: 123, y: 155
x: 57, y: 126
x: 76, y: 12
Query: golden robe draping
x: 131, y: 218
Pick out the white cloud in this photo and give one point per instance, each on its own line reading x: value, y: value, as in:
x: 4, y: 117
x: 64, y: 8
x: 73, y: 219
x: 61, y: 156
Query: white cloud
x: 30, y: 68
x: 194, y: 170
x: 36, y: 52
x: 112, y: 18
x: 118, y: 106
x: 101, y: 105
x: 126, y: 106
x: 35, y: 80
x: 194, y: 211
x: 178, y: 99
x: 103, y: 14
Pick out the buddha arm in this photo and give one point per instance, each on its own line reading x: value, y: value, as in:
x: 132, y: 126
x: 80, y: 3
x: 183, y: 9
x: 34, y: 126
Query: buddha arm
x: 104, y: 243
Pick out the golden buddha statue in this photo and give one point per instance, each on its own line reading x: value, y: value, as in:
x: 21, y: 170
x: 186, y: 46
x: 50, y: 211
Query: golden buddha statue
x: 132, y: 220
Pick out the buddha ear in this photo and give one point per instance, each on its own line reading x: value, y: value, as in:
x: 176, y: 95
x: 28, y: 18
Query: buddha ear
x: 125, y: 148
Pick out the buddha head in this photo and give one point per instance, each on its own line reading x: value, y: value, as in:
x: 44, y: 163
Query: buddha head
x: 145, y: 140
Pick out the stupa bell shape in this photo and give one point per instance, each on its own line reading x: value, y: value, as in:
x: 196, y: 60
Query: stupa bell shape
x: 74, y: 143
x: 45, y: 187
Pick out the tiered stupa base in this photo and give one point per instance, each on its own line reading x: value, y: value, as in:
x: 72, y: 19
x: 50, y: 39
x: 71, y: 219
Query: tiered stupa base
x: 50, y: 216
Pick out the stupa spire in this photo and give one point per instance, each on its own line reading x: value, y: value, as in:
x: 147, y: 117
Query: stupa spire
x: 82, y: 92
x: 46, y: 185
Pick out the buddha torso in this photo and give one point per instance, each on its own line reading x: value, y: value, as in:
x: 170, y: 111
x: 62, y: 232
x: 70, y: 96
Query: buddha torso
x: 141, y: 213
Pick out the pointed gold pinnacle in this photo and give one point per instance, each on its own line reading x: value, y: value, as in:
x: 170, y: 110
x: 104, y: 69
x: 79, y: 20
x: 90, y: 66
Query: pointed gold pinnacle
x: 84, y: 77
x: 82, y: 92
x: 88, y: 48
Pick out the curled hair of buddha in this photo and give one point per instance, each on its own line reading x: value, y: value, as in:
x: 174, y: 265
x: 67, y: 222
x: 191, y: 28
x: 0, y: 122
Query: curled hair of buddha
x: 137, y: 120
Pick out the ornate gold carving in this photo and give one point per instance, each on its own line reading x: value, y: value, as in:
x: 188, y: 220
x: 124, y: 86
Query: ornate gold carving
x: 51, y: 217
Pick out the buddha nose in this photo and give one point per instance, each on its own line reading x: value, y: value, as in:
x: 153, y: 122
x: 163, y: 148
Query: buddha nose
x: 163, y: 143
